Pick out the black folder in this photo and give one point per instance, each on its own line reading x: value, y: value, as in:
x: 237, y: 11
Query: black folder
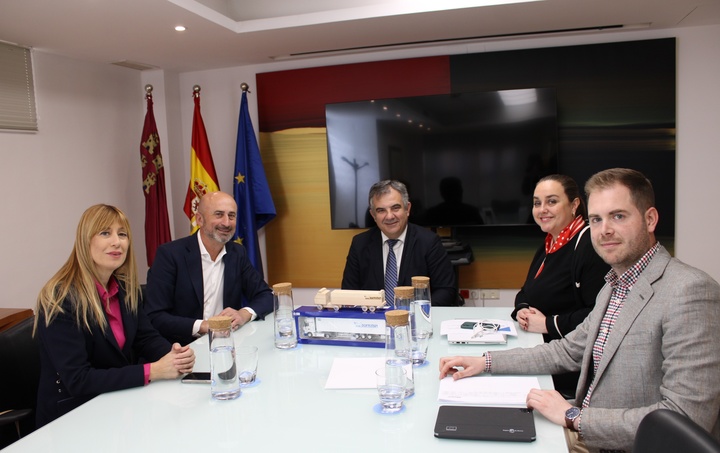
x: 485, y: 423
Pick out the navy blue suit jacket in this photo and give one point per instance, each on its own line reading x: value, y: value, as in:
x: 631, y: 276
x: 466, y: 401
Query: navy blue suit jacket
x: 174, y: 293
x: 77, y: 365
x: 423, y: 255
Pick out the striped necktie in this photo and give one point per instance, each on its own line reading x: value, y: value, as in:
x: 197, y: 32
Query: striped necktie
x: 391, y: 273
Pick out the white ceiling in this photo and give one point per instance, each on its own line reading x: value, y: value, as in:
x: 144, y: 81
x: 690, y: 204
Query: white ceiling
x: 225, y: 33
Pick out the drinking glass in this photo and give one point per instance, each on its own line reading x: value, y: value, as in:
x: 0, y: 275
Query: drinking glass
x: 391, y: 388
x: 420, y: 340
x: 247, y: 362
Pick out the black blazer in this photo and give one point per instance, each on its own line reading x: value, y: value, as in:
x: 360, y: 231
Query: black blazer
x: 423, y: 255
x: 174, y: 292
x: 566, y: 289
x: 77, y: 365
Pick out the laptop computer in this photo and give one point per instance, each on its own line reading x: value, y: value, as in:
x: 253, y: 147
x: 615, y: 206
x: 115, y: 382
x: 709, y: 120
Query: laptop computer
x: 485, y: 423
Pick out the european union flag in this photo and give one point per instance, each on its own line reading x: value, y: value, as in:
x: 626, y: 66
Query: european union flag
x: 250, y: 187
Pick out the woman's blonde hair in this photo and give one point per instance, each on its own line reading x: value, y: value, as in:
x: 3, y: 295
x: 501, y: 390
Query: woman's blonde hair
x: 76, y: 278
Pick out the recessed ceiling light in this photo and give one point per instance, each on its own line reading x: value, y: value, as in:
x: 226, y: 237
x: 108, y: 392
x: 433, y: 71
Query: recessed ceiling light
x: 180, y: 28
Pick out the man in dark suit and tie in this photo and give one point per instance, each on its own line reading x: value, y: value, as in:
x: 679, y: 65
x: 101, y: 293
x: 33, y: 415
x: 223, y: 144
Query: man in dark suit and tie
x: 390, y: 254
x: 203, y: 275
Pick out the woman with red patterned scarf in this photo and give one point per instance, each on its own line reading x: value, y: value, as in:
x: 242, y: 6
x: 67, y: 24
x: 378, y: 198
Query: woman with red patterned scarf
x: 566, y: 274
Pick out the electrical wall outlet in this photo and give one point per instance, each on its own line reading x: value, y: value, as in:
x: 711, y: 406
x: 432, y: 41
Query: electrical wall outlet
x: 487, y: 294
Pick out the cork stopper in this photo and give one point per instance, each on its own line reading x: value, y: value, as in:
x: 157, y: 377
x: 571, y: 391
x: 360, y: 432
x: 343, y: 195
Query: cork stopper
x: 282, y: 288
x: 405, y: 292
x: 396, y: 318
x: 420, y: 282
x: 219, y: 322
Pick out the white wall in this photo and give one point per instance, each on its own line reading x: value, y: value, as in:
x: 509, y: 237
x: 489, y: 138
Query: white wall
x: 91, y: 118
x: 86, y: 152
x: 698, y: 144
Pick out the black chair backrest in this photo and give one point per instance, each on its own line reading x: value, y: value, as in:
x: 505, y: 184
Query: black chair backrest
x: 20, y: 359
x: 666, y: 431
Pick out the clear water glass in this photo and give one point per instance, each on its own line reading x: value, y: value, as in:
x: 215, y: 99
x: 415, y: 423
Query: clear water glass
x: 420, y: 341
x: 391, y: 381
x: 247, y: 362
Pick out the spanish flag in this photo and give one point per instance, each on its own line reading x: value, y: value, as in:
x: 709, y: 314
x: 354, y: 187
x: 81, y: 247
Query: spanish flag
x: 203, y: 178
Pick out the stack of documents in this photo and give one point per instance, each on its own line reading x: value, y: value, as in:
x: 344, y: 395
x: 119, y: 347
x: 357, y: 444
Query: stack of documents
x: 496, y: 391
x: 484, y: 331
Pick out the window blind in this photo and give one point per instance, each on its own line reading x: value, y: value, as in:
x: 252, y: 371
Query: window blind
x: 17, y: 93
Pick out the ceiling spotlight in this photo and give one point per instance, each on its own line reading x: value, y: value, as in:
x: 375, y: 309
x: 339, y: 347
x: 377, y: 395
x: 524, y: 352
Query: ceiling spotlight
x: 180, y: 28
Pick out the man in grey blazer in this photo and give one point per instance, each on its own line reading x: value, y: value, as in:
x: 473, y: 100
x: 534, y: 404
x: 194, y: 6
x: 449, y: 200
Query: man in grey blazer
x: 651, y: 341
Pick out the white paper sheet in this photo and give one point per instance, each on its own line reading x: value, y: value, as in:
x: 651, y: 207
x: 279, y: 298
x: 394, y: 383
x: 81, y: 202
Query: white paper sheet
x: 354, y: 373
x: 502, y: 391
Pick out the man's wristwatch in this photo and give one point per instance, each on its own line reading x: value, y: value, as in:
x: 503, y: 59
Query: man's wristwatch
x: 570, y: 416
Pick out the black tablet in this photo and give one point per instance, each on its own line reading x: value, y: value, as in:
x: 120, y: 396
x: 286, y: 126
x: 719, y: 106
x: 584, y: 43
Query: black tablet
x: 485, y: 423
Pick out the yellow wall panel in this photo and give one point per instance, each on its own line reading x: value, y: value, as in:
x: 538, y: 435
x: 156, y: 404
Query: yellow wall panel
x: 301, y: 246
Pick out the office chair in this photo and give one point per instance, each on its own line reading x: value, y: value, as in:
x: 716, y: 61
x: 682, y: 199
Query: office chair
x: 20, y: 359
x: 14, y: 416
x: 666, y: 431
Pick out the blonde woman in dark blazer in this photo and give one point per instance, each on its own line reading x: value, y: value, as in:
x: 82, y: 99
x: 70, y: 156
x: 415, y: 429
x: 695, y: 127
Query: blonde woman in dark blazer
x: 94, y: 336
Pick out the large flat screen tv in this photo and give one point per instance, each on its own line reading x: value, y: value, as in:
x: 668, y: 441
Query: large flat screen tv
x: 467, y: 158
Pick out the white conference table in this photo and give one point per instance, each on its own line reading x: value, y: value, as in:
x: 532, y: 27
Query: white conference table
x: 288, y: 410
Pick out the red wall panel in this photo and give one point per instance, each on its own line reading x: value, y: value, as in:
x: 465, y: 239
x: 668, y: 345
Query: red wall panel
x: 297, y: 98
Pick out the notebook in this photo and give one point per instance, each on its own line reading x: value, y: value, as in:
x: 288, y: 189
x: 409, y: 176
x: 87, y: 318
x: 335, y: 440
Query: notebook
x: 485, y: 423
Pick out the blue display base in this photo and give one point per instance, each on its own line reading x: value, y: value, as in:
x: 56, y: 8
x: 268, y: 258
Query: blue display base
x: 378, y: 410
x: 297, y: 346
x: 374, y: 332
x: 252, y: 384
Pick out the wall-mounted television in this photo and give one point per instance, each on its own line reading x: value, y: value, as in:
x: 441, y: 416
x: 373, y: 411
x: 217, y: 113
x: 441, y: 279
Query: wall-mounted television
x: 468, y: 159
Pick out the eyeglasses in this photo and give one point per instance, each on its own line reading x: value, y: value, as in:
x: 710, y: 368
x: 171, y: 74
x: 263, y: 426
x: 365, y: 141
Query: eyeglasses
x: 483, y: 327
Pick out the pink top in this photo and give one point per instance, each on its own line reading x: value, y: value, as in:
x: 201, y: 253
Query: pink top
x: 111, y: 304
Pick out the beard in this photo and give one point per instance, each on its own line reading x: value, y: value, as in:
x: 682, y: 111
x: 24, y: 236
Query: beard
x: 221, y: 236
x: 622, y: 260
